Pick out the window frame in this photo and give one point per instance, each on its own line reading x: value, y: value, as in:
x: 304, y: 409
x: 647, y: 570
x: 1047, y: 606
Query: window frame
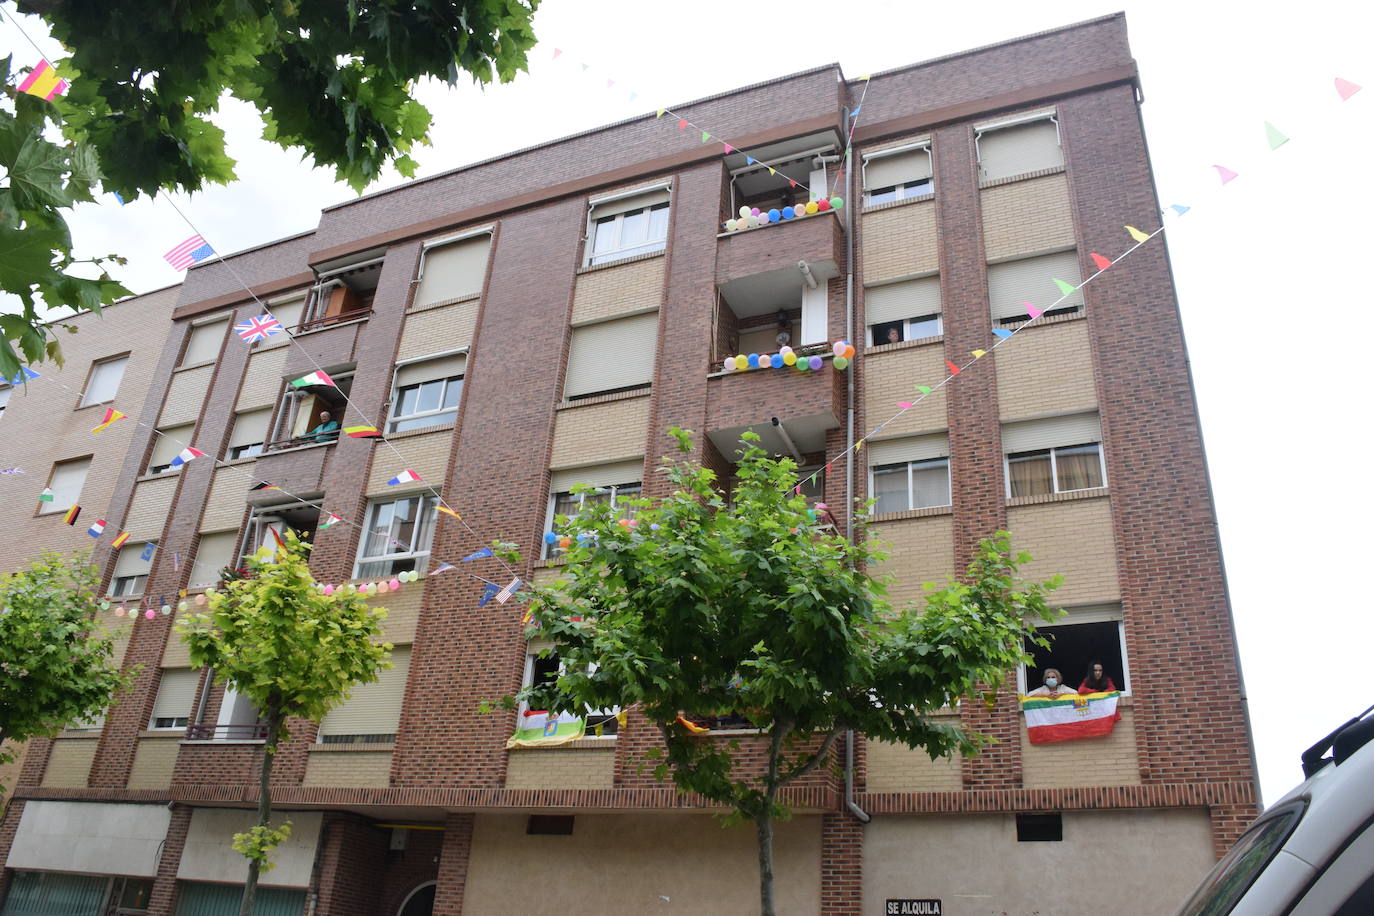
x: 55, y: 507
x: 610, y: 726
x: 911, y: 466
x: 907, y: 333
x: 96, y: 365
x: 900, y: 189
x: 553, y: 551
x: 1094, y: 614
x: 619, y: 250
x: 393, y: 418
x: 423, y: 536
x: 1051, y: 115
x: 1052, y: 451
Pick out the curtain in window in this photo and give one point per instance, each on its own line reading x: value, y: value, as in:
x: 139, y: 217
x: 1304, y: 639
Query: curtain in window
x: 889, y: 489
x: 1030, y: 476
x: 1079, y: 468
x: 197, y: 899
x: 34, y: 893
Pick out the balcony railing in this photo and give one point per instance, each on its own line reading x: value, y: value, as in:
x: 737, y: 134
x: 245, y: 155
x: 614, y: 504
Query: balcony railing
x: 823, y: 350
x: 328, y: 438
x: 328, y: 321
x: 251, y: 732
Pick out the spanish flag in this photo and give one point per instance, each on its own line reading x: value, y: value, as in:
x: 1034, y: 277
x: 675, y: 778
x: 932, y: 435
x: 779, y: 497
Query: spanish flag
x: 111, y: 415
x: 119, y: 541
x: 43, y: 82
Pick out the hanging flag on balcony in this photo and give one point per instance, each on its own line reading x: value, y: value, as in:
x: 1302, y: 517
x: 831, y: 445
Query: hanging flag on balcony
x: 1087, y: 716
x: 406, y: 476
x: 111, y: 415
x: 259, y: 328
x: 540, y: 728
x: 314, y: 378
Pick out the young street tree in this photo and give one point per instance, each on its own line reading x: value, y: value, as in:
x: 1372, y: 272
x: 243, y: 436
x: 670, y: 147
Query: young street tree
x: 56, y: 666
x: 293, y: 651
x: 698, y: 608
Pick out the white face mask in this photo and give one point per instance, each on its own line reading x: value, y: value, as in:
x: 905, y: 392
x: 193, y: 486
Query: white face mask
x: 1051, y: 682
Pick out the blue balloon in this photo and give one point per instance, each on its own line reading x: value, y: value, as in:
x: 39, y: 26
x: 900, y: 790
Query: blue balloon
x: 753, y: 360
x: 774, y: 215
x: 787, y: 213
x: 550, y: 537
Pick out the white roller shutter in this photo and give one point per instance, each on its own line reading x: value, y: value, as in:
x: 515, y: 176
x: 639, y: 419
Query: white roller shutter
x: 601, y: 475
x: 250, y: 426
x: 900, y: 301
x: 637, y: 200
x: 883, y: 170
x: 215, y: 552
x: 66, y: 482
x: 205, y: 342
x: 131, y: 562
x: 170, y: 441
x: 911, y: 448
x: 176, y: 693
x: 612, y: 355
x: 1014, y: 283
x: 1019, y: 149
x: 373, y: 709
x: 428, y: 370
x: 453, y: 271
x: 1051, y: 432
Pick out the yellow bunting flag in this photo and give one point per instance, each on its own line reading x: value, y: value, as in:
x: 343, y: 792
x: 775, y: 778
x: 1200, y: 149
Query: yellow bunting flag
x: 1137, y: 234
x: 660, y: 112
x: 691, y: 727
x: 111, y: 415
x: 978, y: 353
x: 772, y: 171
x: 866, y: 77
x: 447, y: 511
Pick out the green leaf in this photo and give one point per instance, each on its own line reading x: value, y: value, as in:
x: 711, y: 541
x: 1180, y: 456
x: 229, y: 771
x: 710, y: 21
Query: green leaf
x: 26, y: 256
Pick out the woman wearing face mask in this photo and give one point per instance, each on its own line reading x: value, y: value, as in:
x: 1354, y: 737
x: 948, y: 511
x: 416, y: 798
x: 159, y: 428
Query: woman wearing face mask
x: 1053, y: 687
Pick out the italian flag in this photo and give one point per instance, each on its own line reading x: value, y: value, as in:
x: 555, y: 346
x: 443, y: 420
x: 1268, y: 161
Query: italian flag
x: 1091, y: 715
x: 539, y: 728
x: 314, y: 378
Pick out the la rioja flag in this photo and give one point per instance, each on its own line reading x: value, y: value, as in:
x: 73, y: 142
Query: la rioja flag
x: 1050, y: 719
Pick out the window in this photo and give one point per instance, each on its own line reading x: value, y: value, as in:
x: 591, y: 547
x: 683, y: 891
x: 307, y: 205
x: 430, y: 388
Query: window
x: 543, y: 666
x: 372, y: 714
x: 288, y: 312
x: 1012, y: 284
x: 270, y: 522
x: 909, y: 310
x: 614, y: 482
x: 212, y: 556
x: 909, y: 473
x: 176, y: 694
x: 898, y: 174
x: 615, y: 355
x: 104, y: 380
x: 1024, y: 145
x: 627, y: 225
x: 130, y: 573
x: 452, y: 270
x: 66, y: 481
x: 167, y: 445
x: 203, y: 342
x: 5, y: 391
x: 1054, y: 455
x: 250, y: 433
x: 342, y: 294
x: 1086, y: 635
x: 1039, y: 828
x: 397, y: 536
x: 299, y: 421
x: 426, y: 392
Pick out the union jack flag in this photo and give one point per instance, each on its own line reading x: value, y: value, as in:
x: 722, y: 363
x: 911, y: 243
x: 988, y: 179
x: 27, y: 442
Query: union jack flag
x: 259, y: 328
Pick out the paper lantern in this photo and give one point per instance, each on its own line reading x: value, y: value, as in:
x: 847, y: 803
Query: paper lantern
x: 120, y: 612
x: 183, y: 605
x: 150, y: 613
x: 166, y: 610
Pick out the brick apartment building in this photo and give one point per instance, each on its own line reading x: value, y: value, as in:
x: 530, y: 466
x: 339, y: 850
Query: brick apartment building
x: 520, y: 325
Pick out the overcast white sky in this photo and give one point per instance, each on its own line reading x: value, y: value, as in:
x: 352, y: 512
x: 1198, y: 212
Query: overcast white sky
x: 1267, y: 268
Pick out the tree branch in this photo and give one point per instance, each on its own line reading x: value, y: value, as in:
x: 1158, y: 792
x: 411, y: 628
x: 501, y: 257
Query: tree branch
x: 821, y: 753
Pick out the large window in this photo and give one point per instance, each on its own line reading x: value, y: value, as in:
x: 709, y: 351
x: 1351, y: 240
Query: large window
x: 130, y: 573
x: 452, y: 270
x: 1013, y: 284
x: 65, y: 482
x: 1054, y: 455
x: 544, y: 666
x: 613, y: 483
x: 104, y: 380
x: 909, y: 310
x: 426, y: 392
x: 250, y: 433
x: 898, y: 174
x: 609, y: 356
x: 1085, y: 637
x: 214, y: 553
x: 168, y: 443
x: 910, y: 473
x: 397, y: 536
x: 624, y: 226
x: 373, y: 713
x: 1019, y: 146
x: 204, y: 341
x: 176, y: 694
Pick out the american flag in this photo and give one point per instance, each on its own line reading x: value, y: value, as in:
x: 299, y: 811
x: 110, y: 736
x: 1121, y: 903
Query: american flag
x: 259, y: 328
x: 191, y: 251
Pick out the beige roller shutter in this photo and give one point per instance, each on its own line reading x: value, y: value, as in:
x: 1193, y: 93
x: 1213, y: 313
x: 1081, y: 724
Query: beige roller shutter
x: 900, y: 301
x: 453, y: 271
x: 611, y: 355
x: 1014, y: 283
x: 66, y: 482
x: 603, y: 209
x: 430, y: 369
x: 205, y: 342
x: 215, y: 552
x: 1019, y: 149
x: 600, y: 475
x: 1051, y: 432
x: 886, y: 170
x: 131, y: 562
x: 250, y: 426
x: 289, y: 314
x: 170, y: 441
x: 374, y: 709
x: 912, y: 448
x: 176, y: 693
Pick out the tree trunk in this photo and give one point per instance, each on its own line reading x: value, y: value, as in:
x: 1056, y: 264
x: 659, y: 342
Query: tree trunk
x: 269, y: 751
x: 764, y: 826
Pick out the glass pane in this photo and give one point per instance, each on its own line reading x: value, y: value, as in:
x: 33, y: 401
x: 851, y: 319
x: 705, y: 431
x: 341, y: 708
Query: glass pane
x: 658, y: 222
x: 1234, y: 874
x: 625, y: 491
x: 453, y: 391
x: 929, y: 484
x: 882, y: 195
x: 603, y: 235
x: 917, y: 189
x: 1030, y: 474
x: 136, y: 893
x: 889, y: 488
x: 379, y: 532
x: 634, y: 230
x: 431, y: 395
x: 403, y: 528
x: 925, y: 326
x: 405, y: 404
x: 47, y: 892
x: 1080, y: 467
x: 420, y: 422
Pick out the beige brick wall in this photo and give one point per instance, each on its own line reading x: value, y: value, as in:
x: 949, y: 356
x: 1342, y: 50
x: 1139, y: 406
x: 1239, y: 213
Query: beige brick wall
x: 151, y: 505
x: 598, y: 433
x: 892, y: 377
x: 561, y: 767
x: 1073, y: 539
x: 121, y: 630
x: 919, y: 550
x: 69, y: 764
x: 602, y: 294
x: 186, y: 396
x: 895, y: 768
x: 1106, y: 761
x: 426, y: 454
x: 1027, y: 217
x: 900, y: 242
x: 176, y: 654
x: 224, y: 507
x: 403, y: 611
x: 42, y: 424
x: 547, y: 575
x: 437, y: 330
x: 353, y: 769
x: 1046, y: 370
x: 262, y: 381
x: 154, y: 760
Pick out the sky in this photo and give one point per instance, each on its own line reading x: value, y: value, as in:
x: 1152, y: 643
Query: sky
x: 1267, y: 267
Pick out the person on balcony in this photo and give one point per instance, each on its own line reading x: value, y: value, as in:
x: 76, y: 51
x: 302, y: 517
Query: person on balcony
x: 1053, y: 687
x: 1096, y: 681
x: 327, y: 431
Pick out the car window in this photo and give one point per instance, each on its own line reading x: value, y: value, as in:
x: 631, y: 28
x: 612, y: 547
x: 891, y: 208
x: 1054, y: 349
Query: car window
x: 1239, y: 868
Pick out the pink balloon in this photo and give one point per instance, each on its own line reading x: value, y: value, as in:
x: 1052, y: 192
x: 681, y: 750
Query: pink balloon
x: 150, y: 613
x: 395, y: 585
x: 329, y: 589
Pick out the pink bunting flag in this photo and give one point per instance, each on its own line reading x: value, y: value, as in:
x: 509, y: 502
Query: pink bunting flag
x: 1346, y: 88
x: 682, y: 124
x: 556, y: 52
x: 905, y: 405
x: 610, y: 83
x: 1226, y: 174
x: 1032, y: 310
x: 1102, y: 262
x: 728, y: 148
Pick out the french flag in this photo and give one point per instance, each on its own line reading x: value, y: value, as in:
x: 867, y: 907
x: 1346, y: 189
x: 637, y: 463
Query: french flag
x: 406, y: 476
x: 185, y: 455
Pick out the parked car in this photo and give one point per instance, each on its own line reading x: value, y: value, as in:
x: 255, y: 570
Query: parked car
x: 1312, y: 852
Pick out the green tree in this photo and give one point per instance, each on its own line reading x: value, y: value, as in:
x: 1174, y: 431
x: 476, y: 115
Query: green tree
x: 334, y: 80
x: 277, y: 639
x: 56, y: 665
x: 703, y: 608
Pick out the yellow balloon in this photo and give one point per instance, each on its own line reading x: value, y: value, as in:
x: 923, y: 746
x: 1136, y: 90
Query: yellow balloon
x: 789, y: 358
x: 812, y: 208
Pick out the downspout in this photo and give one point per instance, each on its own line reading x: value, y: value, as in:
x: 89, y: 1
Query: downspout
x: 787, y: 440
x: 849, y: 802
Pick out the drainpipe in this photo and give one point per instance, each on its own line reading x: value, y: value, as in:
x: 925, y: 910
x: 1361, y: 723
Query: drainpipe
x: 787, y: 440
x: 849, y: 802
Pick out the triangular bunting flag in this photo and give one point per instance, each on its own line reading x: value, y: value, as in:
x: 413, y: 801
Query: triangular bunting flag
x: 453, y: 513
x: 331, y: 521
x: 1346, y: 88
x: 1032, y: 310
x: 1001, y: 332
x: 1274, y: 136
x: 924, y: 389
x: 1226, y: 174
x: 406, y: 476
x: 979, y: 354
x: 660, y: 112
x: 1137, y: 234
x: 47, y: 495
x: 772, y: 171
x: 866, y: 77
x: 633, y: 96
x: 477, y: 555
x: 610, y: 83
x: 556, y: 52
x: 487, y: 592
x: 1179, y: 208
x: 791, y: 182
x: 705, y: 136
x: 855, y: 112
x: 263, y: 485
x: 953, y: 369
x: 1102, y: 262
x: 586, y: 67
x: 728, y: 148
x: 750, y: 160
x: 905, y: 405
x: 682, y: 124
x: 111, y: 415
x: 1065, y: 288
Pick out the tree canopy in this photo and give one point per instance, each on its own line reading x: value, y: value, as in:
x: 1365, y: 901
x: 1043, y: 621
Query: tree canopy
x: 697, y: 607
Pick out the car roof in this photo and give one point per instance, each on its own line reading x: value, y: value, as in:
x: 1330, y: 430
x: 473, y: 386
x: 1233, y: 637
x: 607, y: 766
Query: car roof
x: 1338, y: 795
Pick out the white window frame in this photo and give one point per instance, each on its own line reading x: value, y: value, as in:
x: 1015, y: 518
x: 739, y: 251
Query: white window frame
x: 1054, y: 467
x: 619, y: 249
x: 179, y: 723
x: 908, y: 324
x: 911, y: 466
x: 553, y: 550
x: 5, y: 392
x: 420, y: 544
x: 1086, y: 615
x: 923, y: 187
x: 97, y: 367
x: 394, y: 418
x: 128, y: 586
x: 531, y: 655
